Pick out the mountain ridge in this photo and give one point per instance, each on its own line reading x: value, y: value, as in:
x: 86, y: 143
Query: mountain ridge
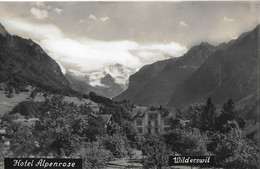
x: 164, y: 77
x: 229, y: 73
x: 167, y: 85
x: 22, y: 60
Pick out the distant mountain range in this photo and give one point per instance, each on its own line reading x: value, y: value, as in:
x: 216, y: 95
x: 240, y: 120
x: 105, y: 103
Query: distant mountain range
x: 109, y: 81
x: 229, y: 70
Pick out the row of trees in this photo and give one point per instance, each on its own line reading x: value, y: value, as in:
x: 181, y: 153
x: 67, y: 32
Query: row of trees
x: 206, y: 118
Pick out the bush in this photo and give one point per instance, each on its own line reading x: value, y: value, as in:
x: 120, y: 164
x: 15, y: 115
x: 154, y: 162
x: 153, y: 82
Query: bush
x: 94, y: 155
x: 155, y: 153
x: 187, y: 142
x: 116, y: 144
x: 235, y: 151
x: 27, y: 109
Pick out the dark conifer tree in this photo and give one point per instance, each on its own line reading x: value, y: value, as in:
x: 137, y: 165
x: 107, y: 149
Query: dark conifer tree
x: 208, y: 116
x: 228, y: 113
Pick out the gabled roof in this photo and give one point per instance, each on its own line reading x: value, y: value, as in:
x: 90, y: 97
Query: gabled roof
x: 139, y: 111
x: 106, y: 117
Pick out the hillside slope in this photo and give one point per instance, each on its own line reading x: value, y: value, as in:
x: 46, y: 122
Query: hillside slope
x: 22, y: 61
x: 153, y: 84
x: 229, y: 73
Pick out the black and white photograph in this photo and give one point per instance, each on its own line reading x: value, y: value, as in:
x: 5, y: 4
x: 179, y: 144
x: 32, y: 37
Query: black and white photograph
x: 129, y: 84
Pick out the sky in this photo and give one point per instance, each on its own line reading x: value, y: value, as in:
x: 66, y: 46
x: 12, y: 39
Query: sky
x: 85, y: 36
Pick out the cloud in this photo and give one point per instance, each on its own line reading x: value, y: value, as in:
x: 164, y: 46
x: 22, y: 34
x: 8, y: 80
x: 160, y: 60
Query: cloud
x: 58, y: 10
x: 81, y: 21
x: 226, y: 19
x: 172, y: 49
x: 30, y: 30
x: 104, y: 19
x: 183, y: 24
x: 39, y: 14
x: 39, y: 4
x: 92, y: 17
x: 88, y: 54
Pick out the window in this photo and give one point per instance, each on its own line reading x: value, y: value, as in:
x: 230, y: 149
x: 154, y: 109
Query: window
x: 140, y: 130
x: 156, y: 123
x: 153, y: 116
x: 166, y: 122
x: 149, y: 130
x: 149, y: 123
x: 139, y: 122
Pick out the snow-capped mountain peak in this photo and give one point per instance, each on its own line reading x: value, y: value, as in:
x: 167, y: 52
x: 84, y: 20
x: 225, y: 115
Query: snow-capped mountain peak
x: 117, y: 71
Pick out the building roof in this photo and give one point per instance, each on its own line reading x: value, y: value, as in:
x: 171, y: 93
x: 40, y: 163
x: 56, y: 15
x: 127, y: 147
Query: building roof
x: 140, y: 111
x: 106, y: 117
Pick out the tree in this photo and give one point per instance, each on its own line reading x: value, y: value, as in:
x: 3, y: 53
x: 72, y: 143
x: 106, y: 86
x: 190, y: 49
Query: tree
x: 217, y: 137
x: 187, y: 141
x: 177, y: 123
x: 208, y: 116
x: 99, y: 99
x: 60, y: 131
x: 116, y: 144
x: 95, y: 128
x: 56, y: 137
x: 194, y: 115
x: 119, y: 112
x: 130, y: 133
x: 228, y: 113
x: 23, y: 143
x: 52, y: 134
x: 235, y: 151
x: 155, y: 153
x: 94, y: 155
x: 80, y: 126
x: 54, y: 131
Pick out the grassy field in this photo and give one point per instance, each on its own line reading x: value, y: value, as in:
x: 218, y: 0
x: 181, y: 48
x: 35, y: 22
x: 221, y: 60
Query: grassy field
x: 7, y: 104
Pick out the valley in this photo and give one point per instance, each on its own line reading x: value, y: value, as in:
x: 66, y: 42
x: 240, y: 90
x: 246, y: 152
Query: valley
x: 135, y: 112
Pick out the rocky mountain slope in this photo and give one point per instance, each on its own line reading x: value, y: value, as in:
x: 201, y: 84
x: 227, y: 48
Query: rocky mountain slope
x: 153, y: 84
x: 229, y: 70
x: 80, y: 85
x: 22, y: 61
x: 229, y: 73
